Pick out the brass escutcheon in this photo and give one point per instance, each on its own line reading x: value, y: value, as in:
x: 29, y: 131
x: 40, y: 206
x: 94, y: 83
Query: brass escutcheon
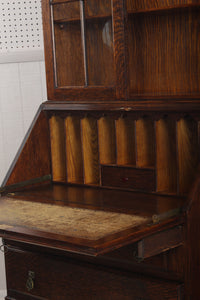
x: 30, y: 281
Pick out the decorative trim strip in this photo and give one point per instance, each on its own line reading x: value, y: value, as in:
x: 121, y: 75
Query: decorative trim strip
x: 21, y: 184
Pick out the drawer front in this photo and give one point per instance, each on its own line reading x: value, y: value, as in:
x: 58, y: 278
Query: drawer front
x: 126, y: 177
x: 70, y: 279
x: 163, y: 252
x: 160, y: 242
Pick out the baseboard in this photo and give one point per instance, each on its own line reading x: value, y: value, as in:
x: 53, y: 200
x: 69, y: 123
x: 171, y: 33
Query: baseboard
x: 3, y: 294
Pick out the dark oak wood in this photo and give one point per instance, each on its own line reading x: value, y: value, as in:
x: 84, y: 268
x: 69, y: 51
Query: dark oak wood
x: 166, y: 160
x: 99, y: 43
x: 58, y: 155
x: 68, y: 37
x: 107, y: 140
x: 141, y: 107
x: 73, y: 150
x: 110, y: 281
x: 98, y: 38
x: 119, y: 139
x: 159, y: 62
x: 145, y: 141
x: 160, y: 242
x: 128, y: 177
x: 187, y: 131
x: 93, y: 199
x: 119, y: 21
x: 146, y: 5
x: 35, y: 146
x: 125, y: 136
x: 193, y: 245
x: 90, y: 150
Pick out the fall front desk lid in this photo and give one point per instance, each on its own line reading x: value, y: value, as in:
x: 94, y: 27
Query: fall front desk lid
x: 72, y: 228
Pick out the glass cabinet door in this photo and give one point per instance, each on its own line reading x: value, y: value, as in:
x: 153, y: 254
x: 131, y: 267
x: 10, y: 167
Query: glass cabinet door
x: 83, y: 43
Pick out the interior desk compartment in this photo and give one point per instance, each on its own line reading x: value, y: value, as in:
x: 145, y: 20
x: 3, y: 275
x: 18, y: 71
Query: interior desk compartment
x: 129, y: 177
x: 81, y: 280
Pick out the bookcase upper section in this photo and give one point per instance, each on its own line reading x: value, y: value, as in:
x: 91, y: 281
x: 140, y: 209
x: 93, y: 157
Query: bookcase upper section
x: 121, y: 50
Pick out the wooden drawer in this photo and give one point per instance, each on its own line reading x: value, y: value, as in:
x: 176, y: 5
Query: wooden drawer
x: 160, y: 242
x: 128, y: 177
x: 161, y: 254
x: 63, y: 278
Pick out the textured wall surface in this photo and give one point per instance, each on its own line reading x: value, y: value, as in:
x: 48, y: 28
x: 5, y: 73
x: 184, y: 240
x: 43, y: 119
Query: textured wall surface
x: 22, y: 89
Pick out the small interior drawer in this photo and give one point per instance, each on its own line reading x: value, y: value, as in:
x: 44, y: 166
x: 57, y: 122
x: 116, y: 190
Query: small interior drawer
x: 128, y: 177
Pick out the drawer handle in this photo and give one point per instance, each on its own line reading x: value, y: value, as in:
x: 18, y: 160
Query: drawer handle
x: 124, y: 179
x: 30, y: 281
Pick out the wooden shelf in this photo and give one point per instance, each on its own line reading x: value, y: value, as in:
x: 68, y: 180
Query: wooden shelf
x: 130, y: 166
x: 149, y: 9
x: 88, y: 18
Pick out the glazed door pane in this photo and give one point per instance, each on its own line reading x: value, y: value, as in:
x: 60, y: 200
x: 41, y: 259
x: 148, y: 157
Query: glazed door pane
x: 83, y: 43
x: 68, y: 45
x: 99, y: 40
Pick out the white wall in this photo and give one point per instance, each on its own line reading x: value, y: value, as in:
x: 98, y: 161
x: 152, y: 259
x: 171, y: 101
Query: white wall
x: 22, y: 89
x: 22, y: 80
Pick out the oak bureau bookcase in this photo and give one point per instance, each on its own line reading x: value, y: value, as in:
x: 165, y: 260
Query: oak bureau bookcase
x: 103, y: 198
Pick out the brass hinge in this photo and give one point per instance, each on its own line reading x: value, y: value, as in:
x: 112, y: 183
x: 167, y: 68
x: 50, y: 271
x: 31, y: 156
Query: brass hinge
x: 21, y: 184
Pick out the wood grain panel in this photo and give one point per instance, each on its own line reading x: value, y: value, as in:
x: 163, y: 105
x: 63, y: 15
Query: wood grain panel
x: 75, y: 279
x: 107, y: 140
x: 103, y: 199
x: 125, y: 134
x: 90, y: 150
x: 66, y: 11
x: 69, y: 54
x: 145, y: 5
x: 58, y: 154
x: 120, y: 49
x: 163, y: 53
x: 187, y: 138
x: 166, y: 159
x: 74, y: 150
x: 99, y: 40
x: 71, y: 11
x: 193, y: 241
x: 145, y: 138
x: 127, y: 177
x: 97, y: 7
x: 33, y: 158
x: 160, y: 242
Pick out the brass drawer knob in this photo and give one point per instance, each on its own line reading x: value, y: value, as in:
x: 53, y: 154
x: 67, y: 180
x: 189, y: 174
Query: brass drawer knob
x: 30, y: 281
